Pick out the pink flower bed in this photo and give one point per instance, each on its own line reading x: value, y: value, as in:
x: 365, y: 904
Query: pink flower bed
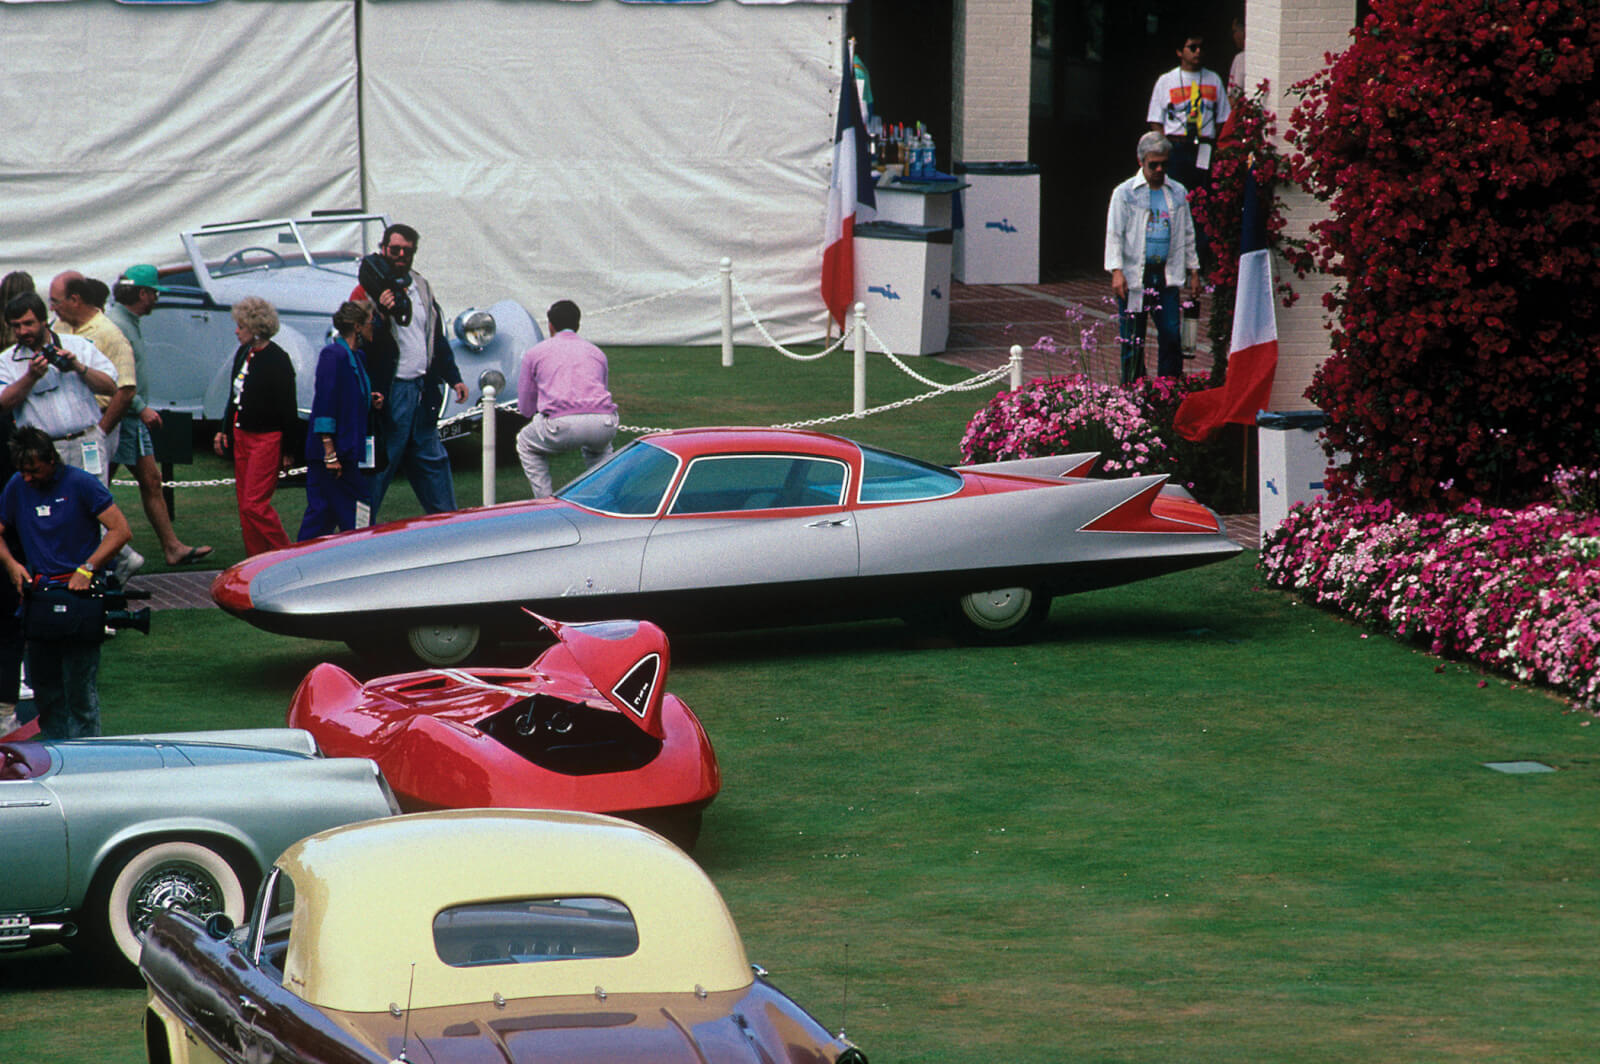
x: 1517, y: 591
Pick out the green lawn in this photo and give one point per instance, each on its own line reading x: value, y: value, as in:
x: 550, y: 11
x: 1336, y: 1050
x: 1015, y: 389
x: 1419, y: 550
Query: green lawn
x: 1194, y: 821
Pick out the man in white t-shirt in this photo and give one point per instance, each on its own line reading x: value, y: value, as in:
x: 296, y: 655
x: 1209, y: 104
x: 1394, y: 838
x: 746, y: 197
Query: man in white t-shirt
x: 1189, y: 105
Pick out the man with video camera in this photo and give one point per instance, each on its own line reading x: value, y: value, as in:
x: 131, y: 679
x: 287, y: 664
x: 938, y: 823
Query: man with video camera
x: 70, y: 528
x: 50, y: 382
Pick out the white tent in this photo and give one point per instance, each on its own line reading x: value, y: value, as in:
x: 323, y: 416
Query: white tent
x: 606, y: 151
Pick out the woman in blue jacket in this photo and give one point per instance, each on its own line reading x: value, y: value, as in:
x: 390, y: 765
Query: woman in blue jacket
x: 338, y: 447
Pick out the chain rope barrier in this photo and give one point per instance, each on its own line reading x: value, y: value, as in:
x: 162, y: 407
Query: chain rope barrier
x: 972, y: 383
x: 772, y: 342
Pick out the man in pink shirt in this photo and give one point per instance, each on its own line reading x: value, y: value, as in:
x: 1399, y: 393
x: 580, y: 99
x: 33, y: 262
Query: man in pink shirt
x: 563, y: 387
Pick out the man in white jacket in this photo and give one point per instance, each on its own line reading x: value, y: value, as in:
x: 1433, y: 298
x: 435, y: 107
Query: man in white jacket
x: 1150, y: 252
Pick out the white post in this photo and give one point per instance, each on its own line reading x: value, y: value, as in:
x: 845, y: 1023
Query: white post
x: 488, y: 444
x: 727, y: 312
x: 861, y: 360
x: 1016, y: 366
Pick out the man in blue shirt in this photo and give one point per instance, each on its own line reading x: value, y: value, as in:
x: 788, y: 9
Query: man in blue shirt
x: 70, y: 529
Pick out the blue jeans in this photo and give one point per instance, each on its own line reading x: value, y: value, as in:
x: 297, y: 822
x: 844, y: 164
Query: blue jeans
x: 64, y: 675
x: 1131, y: 328
x: 411, y: 438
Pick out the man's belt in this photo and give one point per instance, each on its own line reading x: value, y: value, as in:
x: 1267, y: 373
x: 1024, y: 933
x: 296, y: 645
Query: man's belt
x: 72, y: 436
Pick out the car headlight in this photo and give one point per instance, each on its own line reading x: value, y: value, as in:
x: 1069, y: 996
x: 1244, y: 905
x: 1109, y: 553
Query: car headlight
x: 475, y: 328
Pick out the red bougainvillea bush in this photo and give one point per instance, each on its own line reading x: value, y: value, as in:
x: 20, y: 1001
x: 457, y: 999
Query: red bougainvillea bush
x: 1516, y: 591
x: 1130, y: 426
x: 1457, y: 144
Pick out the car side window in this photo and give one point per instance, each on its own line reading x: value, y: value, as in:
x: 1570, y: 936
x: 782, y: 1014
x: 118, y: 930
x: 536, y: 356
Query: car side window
x: 723, y: 483
x: 269, y: 946
x: 895, y: 478
x: 530, y: 930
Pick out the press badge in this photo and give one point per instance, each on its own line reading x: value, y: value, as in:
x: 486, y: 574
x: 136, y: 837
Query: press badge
x: 92, y: 463
x: 363, y: 515
x: 369, y: 457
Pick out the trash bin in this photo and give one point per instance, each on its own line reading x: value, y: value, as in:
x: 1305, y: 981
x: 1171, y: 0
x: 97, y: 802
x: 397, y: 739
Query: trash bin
x: 903, y: 276
x: 1292, y: 462
x: 999, y: 241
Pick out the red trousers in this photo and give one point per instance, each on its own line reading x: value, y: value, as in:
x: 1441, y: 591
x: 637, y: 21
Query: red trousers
x: 255, y: 476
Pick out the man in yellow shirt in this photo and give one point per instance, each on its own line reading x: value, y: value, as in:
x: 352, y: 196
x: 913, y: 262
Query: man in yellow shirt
x: 76, y: 303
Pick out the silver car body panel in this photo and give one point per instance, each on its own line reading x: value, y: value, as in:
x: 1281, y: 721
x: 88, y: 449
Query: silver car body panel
x: 255, y: 791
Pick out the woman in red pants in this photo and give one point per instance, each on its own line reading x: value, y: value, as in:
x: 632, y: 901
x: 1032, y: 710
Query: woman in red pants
x: 261, y: 416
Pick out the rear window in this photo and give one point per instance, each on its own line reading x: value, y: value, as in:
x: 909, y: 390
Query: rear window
x: 532, y: 930
x: 889, y: 477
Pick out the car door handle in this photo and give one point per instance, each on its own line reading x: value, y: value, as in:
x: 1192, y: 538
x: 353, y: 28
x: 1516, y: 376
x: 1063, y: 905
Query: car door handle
x: 830, y: 522
x: 30, y: 803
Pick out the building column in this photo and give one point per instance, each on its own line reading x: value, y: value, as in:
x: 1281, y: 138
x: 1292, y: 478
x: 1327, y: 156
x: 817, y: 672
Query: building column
x: 1285, y: 41
x: 991, y: 56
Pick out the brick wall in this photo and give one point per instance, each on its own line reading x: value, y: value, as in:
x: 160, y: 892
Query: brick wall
x: 1285, y: 42
x: 991, y: 56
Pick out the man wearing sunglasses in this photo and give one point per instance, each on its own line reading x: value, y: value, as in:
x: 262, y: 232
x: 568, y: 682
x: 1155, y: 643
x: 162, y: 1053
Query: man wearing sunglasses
x: 410, y: 364
x: 1150, y: 252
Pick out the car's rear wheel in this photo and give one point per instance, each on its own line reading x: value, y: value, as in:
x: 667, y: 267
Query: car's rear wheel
x: 167, y: 875
x: 1001, y: 614
x: 443, y: 644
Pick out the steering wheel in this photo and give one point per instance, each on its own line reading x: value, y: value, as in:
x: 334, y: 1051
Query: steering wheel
x: 277, y: 259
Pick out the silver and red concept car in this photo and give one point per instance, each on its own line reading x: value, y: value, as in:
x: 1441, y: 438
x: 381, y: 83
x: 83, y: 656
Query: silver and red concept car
x: 588, y: 726
x: 724, y: 527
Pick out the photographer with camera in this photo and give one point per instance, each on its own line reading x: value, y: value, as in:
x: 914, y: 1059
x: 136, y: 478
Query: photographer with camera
x: 70, y: 528
x: 49, y: 382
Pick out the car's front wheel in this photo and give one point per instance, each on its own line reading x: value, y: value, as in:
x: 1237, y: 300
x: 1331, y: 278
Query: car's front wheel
x: 1002, y: 614
x: 167, y: 875
x: 443, y: 644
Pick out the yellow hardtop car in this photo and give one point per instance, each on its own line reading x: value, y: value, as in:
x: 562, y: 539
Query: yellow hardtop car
x: 449, y: 935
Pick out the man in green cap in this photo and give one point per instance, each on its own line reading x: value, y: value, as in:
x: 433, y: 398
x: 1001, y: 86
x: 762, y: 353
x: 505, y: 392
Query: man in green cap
x: 134, y: 296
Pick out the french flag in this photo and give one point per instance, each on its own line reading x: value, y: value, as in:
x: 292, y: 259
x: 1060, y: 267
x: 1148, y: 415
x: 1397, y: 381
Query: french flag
x: 1253, y: 348
x: 849, y: 197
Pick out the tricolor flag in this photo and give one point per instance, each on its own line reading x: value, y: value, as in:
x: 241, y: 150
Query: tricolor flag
x: 1253, y: 349
x: 849, y: 197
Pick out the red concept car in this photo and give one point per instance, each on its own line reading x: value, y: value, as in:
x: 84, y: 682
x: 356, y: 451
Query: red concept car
x: 733, y: 528
x: 588, y: 727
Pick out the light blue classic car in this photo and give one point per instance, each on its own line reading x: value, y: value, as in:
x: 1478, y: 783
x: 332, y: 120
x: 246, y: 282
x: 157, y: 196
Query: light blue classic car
x: 99, y: 835
x: 304, y: 267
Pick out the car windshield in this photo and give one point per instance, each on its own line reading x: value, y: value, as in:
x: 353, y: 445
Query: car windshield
x: 534, y: 929
x: 889, y: 477
x: 630, y: 484
x: 228, y: 250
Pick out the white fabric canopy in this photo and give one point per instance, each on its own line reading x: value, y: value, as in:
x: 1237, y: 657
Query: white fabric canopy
x: 131, y: 124
x: 605, y: 151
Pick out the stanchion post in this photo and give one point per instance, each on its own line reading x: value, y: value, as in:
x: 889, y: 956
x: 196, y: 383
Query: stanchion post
x: 860, y: 406
x: 490, y: 381
x: 488, y: 445
x: 727, y: 312
x: 1016, y: 366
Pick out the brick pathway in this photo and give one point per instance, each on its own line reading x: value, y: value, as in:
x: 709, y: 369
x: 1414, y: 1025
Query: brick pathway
x: 1063, y: 326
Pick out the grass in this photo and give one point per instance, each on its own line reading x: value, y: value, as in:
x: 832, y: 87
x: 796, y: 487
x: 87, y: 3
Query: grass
x: 1194, y: 821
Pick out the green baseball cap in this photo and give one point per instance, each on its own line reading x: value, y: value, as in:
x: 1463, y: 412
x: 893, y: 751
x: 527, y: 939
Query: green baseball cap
x: 144, y: 275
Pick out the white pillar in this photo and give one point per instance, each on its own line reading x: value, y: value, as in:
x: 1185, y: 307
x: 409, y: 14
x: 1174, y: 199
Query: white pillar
x: 727, y: 311
x: 860, y: 406
x: 488, y: 444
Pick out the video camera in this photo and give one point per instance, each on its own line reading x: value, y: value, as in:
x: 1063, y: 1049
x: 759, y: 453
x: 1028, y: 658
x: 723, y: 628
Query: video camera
x: 53, y: 611
x: 377, y: 274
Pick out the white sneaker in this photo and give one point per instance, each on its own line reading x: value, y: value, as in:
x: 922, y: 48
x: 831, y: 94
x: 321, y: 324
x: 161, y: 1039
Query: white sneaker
x: 129, y: 561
